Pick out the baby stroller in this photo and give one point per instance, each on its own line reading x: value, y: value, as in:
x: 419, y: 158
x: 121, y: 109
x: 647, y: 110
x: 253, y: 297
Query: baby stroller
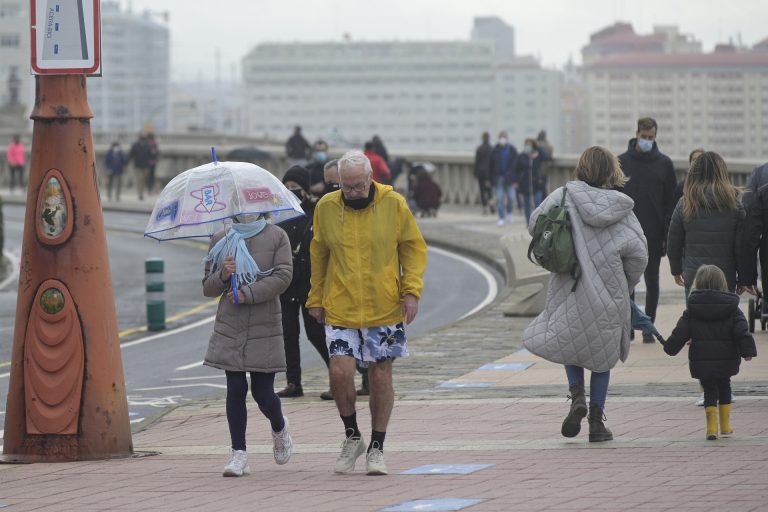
x: 756, y: 311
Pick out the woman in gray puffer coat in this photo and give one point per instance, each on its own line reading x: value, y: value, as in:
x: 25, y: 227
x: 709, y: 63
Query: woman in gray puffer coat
x: 248, y: 269
x: 707, y: 223
x: 588, y: 326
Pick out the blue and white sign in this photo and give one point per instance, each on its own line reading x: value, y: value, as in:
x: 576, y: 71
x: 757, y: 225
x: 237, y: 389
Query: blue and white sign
x: 446, y: 469
x: 65, y: 37
x: 432, y: 505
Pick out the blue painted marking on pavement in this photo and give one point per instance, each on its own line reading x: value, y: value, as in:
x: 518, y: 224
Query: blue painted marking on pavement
x: 509, y: 367
x: 131, y: 413
x: 454, y: 385
x: 3, y: 505
x: 432, y: 505
x: 446, y: 469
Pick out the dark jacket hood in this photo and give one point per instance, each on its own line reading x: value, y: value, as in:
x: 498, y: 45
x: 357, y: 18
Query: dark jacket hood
x: 712, y: 304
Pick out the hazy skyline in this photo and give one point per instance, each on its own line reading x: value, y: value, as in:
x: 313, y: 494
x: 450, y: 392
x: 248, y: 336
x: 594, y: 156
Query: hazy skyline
x: 553, y: 30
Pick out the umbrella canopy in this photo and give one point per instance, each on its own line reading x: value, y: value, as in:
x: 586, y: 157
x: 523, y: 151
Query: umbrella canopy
x: 192, y: 203
x: 643, y: 322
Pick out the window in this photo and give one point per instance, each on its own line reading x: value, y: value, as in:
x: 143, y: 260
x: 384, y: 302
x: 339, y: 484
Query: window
x: 9, y: 40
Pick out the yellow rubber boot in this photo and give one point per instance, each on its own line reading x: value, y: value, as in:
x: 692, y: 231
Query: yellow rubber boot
x: 725, y: 420
x: 711, y: 422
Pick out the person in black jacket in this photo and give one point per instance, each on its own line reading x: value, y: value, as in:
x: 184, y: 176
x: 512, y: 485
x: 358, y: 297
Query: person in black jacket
x: 483, y: 171
x: 297, y: 149
x: 652, y: 186
x: 719, y: 338
x: 707, y: 224
x: 299, y: 230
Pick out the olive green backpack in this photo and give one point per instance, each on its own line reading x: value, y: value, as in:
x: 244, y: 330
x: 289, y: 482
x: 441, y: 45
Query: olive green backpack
x: 552, y: 245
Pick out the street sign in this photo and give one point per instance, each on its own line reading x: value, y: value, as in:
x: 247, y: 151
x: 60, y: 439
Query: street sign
x: 66, y: 37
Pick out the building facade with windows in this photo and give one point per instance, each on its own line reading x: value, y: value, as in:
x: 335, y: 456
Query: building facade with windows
x: 133, y: 93
x: 415, y: 95
x: 15, y: 66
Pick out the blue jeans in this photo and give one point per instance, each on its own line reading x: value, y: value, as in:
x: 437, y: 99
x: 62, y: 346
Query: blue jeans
x: 598, y: 383
x: 505, y: 198
x: 538, y: 197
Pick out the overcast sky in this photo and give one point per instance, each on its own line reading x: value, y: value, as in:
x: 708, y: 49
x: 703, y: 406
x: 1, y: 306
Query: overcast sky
x: 554, y: 30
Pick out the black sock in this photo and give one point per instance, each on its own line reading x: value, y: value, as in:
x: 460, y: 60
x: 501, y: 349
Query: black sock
x: 350, y: 426
x: 377, y: 440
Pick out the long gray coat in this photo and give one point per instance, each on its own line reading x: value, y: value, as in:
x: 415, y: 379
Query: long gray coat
x: 249, y: 336
x: 590, y: 326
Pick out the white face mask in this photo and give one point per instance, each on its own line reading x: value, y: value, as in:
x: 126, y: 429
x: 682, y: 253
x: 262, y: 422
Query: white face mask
x: 503, y: 141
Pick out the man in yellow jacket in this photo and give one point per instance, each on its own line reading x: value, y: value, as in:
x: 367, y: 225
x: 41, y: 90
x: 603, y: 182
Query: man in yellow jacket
x: 368, y: 262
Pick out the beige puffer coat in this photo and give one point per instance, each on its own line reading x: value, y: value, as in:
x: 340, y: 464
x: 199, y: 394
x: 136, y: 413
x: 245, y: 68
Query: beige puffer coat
x: 249, y: 336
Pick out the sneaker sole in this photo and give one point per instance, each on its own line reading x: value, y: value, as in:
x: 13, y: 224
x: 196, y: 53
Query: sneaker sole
x: 228, y: 473
x: 572, y: 423
x: 376, y: 472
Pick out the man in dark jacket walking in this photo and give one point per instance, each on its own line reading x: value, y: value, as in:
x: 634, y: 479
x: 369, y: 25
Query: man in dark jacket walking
x: 505, y: 179
x: 483, y: 171
x: 651, y: 186
x: 297, y: 149
x: 292, y: 301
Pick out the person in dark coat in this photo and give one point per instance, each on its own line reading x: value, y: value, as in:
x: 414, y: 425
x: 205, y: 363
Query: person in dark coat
x: 652, y: 187
x: 296, y: 179
x: 707, y: 224
x: 483, y: 171
x: 719, y: 338
x: 532, y: 181
x: 297, y: 149
x: 115, y: 163
x: 427, y: 194
x: 504, y: 178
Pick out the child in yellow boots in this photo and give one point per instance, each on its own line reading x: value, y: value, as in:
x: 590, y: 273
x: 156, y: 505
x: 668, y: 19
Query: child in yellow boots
x: 719, y: 338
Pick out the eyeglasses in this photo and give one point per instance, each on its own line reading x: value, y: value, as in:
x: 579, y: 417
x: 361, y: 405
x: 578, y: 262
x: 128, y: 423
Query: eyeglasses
x: 360, y: 187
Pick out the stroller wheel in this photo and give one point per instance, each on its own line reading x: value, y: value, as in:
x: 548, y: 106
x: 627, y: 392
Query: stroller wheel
x: 751, y: 315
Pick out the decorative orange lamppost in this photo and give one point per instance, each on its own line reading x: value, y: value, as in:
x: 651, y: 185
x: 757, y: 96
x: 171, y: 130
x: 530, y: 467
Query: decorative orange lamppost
x: 66, y: 398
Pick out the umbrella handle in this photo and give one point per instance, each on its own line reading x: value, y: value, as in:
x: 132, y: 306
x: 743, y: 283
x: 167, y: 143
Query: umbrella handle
x: 213, y: 154
x: 234, y: 288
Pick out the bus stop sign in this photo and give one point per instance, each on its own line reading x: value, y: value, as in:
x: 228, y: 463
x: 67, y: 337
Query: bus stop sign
x: 66, y: 37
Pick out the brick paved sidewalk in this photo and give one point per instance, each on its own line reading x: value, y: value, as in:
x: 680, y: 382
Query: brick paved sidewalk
x: 450, y: 411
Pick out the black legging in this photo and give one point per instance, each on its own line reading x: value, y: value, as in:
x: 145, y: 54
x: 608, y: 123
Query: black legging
x: 263, y: 391
x: 485, y: 190
x: 651, y: 285
x: 291, y: 332
x: 716, y: 391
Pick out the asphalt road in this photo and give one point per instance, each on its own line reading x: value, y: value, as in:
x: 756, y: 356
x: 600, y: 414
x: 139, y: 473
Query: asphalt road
x: 163, y: 369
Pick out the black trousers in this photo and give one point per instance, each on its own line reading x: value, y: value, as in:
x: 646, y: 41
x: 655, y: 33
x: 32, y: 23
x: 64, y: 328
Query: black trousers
x: 291, y: 331
x: 263, y: 391
x: 716, y: 391
x: 651, y: 276
x: 485, y: 191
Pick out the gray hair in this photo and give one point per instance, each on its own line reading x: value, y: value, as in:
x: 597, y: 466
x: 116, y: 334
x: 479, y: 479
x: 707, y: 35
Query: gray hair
x: 355, y: 158
x: 331, y: 164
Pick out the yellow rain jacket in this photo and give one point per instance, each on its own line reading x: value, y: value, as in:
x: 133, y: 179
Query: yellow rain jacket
x: 365, y: 261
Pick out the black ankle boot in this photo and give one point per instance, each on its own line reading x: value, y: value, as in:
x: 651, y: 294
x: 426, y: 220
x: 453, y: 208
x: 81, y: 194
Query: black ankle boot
x: 598, y: 432
x: 572, y: 423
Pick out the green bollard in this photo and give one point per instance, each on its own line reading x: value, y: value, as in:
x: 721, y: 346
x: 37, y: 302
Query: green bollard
x: 154, y: 268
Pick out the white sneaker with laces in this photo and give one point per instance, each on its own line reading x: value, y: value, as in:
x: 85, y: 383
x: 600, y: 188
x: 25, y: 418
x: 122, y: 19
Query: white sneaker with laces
x: 700, y: 401
x: 238, y: 464
x: 282, y: 444
x: 351, y: 449
x: 374, y: 462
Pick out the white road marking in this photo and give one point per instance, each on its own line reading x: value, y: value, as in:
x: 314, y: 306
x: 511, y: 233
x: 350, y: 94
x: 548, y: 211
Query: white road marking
x: 14, y: 273
x: 178, y: 386
x: 137, y: 420
x: 169, y: 333
x: 189, y: 366
x: 202, y: 377
x: 4, y: 375
x: 493, y: 288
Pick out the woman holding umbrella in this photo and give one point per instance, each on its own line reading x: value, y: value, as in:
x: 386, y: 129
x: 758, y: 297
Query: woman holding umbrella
x: 247, y: 334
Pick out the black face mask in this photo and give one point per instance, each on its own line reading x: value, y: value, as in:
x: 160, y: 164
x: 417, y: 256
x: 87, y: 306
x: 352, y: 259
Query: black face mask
x: 362, y: 202
x: 299, y: 194
x: 330, y: 187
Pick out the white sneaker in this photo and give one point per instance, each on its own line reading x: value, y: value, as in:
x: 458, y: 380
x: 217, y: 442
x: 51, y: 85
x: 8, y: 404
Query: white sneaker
x: 700, y: 401
x: 282, y: 444
x: 374, y: 462
x: 351, y: 449
x: 237, y: 465
x: 500, y: 222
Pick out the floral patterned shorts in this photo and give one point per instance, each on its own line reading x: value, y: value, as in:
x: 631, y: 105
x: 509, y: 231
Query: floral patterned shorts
x: 369, y: 344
